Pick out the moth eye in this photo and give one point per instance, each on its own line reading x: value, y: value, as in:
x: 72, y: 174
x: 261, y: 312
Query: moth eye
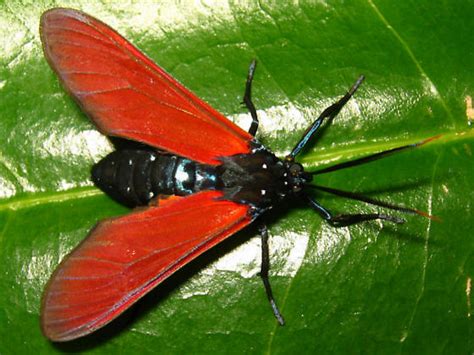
x: 296, y: 169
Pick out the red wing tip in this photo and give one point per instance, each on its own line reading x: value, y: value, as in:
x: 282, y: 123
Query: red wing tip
x: 62, y: 12
x: 58, y: 335
x: 59, y: 12
x: 51, y: 334
x: 60, y: 338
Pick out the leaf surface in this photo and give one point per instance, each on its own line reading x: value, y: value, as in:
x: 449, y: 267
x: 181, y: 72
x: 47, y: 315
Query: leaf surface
x: 372, y: 288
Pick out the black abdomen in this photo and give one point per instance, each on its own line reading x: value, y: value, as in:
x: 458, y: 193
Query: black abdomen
x: 134, y: 177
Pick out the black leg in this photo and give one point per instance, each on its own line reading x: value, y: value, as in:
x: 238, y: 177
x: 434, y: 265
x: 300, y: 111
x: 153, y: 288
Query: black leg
x: 343, y: 220
x: 330, y: 113
x: 248, y: 99
x: 264, y: 273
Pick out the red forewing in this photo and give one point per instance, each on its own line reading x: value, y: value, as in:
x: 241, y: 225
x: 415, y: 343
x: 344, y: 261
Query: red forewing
x: 129, y: 96
x: 124, y: 258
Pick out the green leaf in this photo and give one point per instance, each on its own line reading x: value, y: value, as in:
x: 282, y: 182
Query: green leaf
x: 371, y: 288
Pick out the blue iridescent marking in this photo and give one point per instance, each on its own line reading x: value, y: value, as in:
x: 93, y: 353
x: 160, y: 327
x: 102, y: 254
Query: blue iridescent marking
x: 182, y: 177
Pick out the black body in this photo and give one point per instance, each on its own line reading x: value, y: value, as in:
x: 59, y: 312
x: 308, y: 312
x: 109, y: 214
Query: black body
x: 260, y: 179
x: 135, y: 176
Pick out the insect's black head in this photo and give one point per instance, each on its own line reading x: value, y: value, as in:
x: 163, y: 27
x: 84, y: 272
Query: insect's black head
x: 296, y: 177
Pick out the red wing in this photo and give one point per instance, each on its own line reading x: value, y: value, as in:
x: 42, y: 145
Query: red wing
x: 129, y: 96
x: 124, y: 258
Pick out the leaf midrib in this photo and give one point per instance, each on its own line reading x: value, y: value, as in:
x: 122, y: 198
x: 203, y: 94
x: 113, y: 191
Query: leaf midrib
x: 309, y: 160
x: 41, y: 198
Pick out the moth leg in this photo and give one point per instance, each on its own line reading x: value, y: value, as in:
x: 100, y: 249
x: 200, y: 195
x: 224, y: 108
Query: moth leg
x: 343, y: 220
x: 265, y: 267
x: 248, y: 99
x: 330, y: 112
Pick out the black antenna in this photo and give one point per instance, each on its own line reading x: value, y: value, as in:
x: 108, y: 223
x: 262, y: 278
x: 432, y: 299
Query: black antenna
x: 373, y: 157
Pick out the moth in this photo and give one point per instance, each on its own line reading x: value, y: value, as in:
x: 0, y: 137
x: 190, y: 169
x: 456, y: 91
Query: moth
x: 196, y: 177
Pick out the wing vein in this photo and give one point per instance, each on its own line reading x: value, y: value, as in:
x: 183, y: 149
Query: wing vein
x: 100, y: 36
